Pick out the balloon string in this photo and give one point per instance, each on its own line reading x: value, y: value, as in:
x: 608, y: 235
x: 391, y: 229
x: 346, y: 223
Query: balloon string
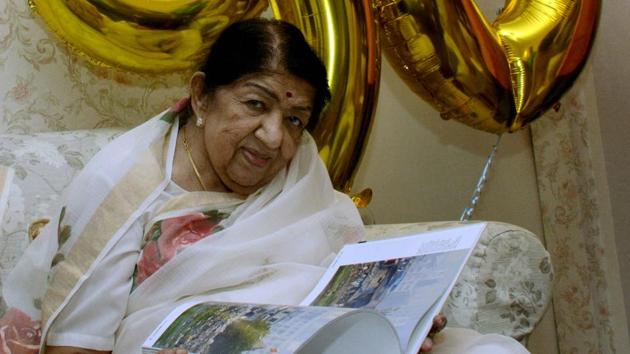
x: 467, y: 214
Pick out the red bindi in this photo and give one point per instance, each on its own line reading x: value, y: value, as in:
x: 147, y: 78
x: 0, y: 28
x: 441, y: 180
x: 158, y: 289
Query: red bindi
x: 289, y: 94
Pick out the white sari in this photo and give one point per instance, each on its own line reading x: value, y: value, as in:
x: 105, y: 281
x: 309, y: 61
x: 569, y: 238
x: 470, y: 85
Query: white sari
x: 273, y: 249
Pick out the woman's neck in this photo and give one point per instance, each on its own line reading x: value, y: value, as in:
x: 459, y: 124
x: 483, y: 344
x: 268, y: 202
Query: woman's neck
x: 184, y: 165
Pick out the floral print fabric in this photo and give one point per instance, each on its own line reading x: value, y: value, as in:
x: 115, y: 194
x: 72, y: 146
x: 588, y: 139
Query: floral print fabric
x: 587, y: 290
x: 19, y: 334
x: 166, y: 238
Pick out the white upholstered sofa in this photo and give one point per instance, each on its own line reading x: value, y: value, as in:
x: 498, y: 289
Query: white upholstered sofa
x: 505, y: 287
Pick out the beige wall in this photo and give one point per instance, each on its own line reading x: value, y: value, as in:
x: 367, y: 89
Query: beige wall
x: 423, y: 168
x: 611, y: 69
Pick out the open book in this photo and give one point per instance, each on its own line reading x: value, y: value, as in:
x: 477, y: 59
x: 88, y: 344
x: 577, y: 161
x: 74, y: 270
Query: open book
x: 376, y: 297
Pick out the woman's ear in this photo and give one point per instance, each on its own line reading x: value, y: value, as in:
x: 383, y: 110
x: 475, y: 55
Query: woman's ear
x: 198, y: 95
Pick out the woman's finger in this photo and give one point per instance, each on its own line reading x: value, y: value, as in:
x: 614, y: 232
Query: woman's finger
x: 427, y: 345
x: 439, y: 322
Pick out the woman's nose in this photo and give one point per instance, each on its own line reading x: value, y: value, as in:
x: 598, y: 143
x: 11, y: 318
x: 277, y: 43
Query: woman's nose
x: 270, y: 131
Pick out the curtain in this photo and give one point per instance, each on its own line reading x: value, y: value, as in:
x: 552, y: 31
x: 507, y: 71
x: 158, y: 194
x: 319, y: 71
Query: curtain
x: 579, y: 235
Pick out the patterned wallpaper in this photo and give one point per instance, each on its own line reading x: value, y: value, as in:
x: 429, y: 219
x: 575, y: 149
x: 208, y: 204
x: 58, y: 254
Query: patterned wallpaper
x: 45, y: 89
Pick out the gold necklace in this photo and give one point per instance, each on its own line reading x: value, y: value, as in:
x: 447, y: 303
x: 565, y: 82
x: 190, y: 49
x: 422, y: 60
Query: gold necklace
x: 192, y: 161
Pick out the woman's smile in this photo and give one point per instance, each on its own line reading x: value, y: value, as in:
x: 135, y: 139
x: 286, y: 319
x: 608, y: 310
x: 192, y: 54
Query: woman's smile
x: 256, y: 158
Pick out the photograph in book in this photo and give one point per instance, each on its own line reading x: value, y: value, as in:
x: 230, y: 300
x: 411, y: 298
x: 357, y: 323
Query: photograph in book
x: 402, y: 289
x: 242, y: 328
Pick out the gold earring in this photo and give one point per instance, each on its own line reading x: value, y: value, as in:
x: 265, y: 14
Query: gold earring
x: 199, y: 122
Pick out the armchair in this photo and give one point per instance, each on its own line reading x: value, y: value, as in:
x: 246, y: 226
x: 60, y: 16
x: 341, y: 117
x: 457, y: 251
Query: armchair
x: 505, y: 287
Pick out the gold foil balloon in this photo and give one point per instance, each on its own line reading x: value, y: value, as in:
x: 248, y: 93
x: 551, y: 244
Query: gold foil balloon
x: 140, y: 35
x: 344, y: 34
x: 495, y: 77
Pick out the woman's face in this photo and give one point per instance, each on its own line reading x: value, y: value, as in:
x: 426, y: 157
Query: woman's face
x: 254, y: 126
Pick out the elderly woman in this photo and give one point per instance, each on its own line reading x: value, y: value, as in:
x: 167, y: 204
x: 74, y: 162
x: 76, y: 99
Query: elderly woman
x: 221, y: 198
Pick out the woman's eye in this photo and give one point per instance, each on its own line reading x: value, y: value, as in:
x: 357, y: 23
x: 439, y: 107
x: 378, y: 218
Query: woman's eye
x: 296, y: 121
x: 255, y: 104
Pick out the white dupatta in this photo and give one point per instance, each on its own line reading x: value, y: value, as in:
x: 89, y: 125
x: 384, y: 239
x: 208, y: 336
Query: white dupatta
x: 272, y: 250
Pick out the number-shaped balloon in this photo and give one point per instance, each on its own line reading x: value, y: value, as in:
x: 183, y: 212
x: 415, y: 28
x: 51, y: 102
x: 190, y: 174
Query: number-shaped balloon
x: 494, y: 77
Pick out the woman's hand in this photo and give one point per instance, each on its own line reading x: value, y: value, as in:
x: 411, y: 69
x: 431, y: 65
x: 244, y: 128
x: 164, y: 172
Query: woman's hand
x: 439, y: 322
x: 173, y: 351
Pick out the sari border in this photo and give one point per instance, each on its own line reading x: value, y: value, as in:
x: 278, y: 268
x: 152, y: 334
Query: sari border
x: 137, y: 188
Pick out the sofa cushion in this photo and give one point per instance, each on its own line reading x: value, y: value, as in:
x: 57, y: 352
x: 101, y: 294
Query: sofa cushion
x: 43, y: 165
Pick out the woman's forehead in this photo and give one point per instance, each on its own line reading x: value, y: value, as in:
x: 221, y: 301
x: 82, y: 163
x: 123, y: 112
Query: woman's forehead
x: 282, y: 85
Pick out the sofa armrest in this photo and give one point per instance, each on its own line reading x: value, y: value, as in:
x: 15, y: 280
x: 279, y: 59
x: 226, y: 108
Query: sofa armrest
x: 506, y: 285
x: 43, y: 165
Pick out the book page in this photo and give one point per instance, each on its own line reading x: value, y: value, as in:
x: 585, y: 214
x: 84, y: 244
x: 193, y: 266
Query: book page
x: 402, y: 278
x: 239, y: 328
